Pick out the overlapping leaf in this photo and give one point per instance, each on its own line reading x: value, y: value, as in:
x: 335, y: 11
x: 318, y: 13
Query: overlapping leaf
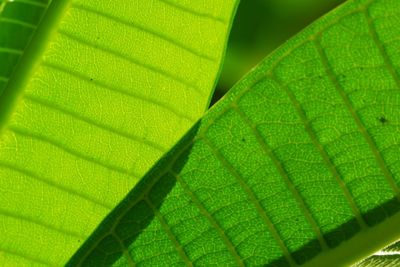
x: 387, y: 257
x: 19, y: 20
x: 298, y: 164
x: 103, y: 89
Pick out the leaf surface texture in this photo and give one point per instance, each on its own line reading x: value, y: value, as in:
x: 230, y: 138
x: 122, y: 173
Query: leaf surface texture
x: 103, y: 89
x: 298, y: 161
x: 19, y: 20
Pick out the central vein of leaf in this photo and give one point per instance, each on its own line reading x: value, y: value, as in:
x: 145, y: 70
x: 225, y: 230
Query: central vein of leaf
x: 30, y: 59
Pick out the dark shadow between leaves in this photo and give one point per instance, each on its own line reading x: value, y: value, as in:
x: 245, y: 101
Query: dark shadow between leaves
x: 125, y: 223
x: 134, y: 214
x: 344, y: 232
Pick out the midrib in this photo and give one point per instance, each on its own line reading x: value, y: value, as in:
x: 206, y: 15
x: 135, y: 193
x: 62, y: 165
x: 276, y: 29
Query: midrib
x: 30, y: 59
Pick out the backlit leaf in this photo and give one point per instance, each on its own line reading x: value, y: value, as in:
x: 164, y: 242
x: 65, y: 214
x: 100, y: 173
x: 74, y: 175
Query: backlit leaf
x: 298, y: 164
x: 103, y: 89
x: 387, y: 257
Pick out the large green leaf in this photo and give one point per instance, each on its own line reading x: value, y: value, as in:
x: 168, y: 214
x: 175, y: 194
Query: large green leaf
x: 298, y: 164
x: 101, y: 92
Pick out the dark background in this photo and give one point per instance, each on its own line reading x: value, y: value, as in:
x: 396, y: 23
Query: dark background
x: 260, y: 27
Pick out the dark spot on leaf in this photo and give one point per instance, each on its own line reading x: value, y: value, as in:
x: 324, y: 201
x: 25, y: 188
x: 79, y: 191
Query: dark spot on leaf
x: 243, y: 140
x: 341, y: 77
x: 91, y: 79
x: 382, y: 119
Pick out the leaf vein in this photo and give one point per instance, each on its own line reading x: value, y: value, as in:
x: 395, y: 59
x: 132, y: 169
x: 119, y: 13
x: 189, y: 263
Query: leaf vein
x: 32, y: 3
x: 125, y: 251
x: 285, y: 176
x: 11, y: 51
x: 40, y: 223
x: 71, y: 191
x: 71, y: 151
x: 382, y: 50
x: 132, y: 95
x: 174, y: 239
x: 231, y: 248
x: 362, y: 129
x: 89, y: 121
x: 321, y: 150
x: 254, y: 200
x: 147, y: 30
x: 26, y: 257
x: 132, y: 60
x: 18, y: 22
x: 193, y: 12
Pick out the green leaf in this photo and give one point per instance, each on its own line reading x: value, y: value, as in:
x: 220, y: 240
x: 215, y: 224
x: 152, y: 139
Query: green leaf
x: 18, y: 22
x: 103, y: 89
x: 298, y: 164
x: 387, y: 257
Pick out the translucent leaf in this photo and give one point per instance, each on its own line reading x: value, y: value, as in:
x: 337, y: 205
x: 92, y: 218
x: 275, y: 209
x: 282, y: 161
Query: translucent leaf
x: 387, y: 257
x: 18, y: 22
x: 103, y: 89
x: 298, y: 164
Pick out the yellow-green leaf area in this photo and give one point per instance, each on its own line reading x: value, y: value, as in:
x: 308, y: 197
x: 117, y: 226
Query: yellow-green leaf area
x: 297, y: 165
x: 103, y: 89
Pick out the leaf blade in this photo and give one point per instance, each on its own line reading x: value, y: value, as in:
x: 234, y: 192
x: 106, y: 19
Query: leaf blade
x: 295, y: 115
x: 81, y: 120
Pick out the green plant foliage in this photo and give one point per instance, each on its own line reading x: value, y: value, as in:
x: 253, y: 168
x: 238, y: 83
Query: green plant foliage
x: 98, y: 96
x: 260, y: 27
x: 387, y: 257
x: 18, y: 22
x: 298, y: 164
